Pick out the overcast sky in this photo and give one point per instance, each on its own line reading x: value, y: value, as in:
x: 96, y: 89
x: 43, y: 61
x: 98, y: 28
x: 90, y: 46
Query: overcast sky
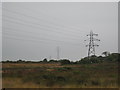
x: 33, y: 31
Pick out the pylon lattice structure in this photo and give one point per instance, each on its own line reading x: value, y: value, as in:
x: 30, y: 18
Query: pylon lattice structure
x: 92, y: 45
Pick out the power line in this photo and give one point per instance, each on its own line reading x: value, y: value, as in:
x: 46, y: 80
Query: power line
x: 61, y: 24
x: 50, y: 23
x: 21, y: 34
x: 36, y: 24
x: 37, y: 33
x: 38, y: 27
x: 36, y: 39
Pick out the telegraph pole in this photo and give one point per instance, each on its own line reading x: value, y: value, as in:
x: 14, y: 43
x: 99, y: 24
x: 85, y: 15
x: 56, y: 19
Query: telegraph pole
x: 91, y: 46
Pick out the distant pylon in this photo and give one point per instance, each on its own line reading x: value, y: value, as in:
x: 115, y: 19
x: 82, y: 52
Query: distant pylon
x: 58, y: 56
x: 92, y: 45
x: 50, y: 58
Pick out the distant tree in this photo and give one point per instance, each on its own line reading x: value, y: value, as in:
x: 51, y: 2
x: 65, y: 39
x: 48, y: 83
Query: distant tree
x: 101, y: 59
x: 64, y: 61
x: 113, y: 57
x: 53, y: 61
x: 20, y: 61
x: 106, y: 53
x: 94, y: 59
x: 91, y: 59
x: 45, y: 60
x: 85, y: 61
x: 7, y: 61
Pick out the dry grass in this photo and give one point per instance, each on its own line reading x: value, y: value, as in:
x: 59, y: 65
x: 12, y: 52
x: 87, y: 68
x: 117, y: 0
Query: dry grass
x: 17, y: 83
x: 35, y: 75
x: 18, y: 65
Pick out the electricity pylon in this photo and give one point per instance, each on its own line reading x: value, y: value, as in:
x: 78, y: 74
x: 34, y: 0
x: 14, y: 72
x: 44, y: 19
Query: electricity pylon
x: 92, y: 45
x: 58, y: 56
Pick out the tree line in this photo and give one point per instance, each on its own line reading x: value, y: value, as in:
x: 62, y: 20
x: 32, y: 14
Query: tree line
x: 107, y: 57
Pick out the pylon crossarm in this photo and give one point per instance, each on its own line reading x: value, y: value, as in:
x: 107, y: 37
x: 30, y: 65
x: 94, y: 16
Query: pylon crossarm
x: 96, y: 45
x: 95, y: 34
x: 96, y: 39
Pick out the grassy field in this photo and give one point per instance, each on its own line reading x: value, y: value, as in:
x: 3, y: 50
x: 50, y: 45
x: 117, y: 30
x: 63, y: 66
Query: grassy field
x: 36, y: 75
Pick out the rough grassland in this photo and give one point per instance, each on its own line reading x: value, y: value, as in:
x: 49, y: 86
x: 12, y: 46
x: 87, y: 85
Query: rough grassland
x: 36, y: 75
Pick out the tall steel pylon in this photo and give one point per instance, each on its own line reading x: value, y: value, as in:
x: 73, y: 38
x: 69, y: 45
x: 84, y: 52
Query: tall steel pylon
x: 92, y: 45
